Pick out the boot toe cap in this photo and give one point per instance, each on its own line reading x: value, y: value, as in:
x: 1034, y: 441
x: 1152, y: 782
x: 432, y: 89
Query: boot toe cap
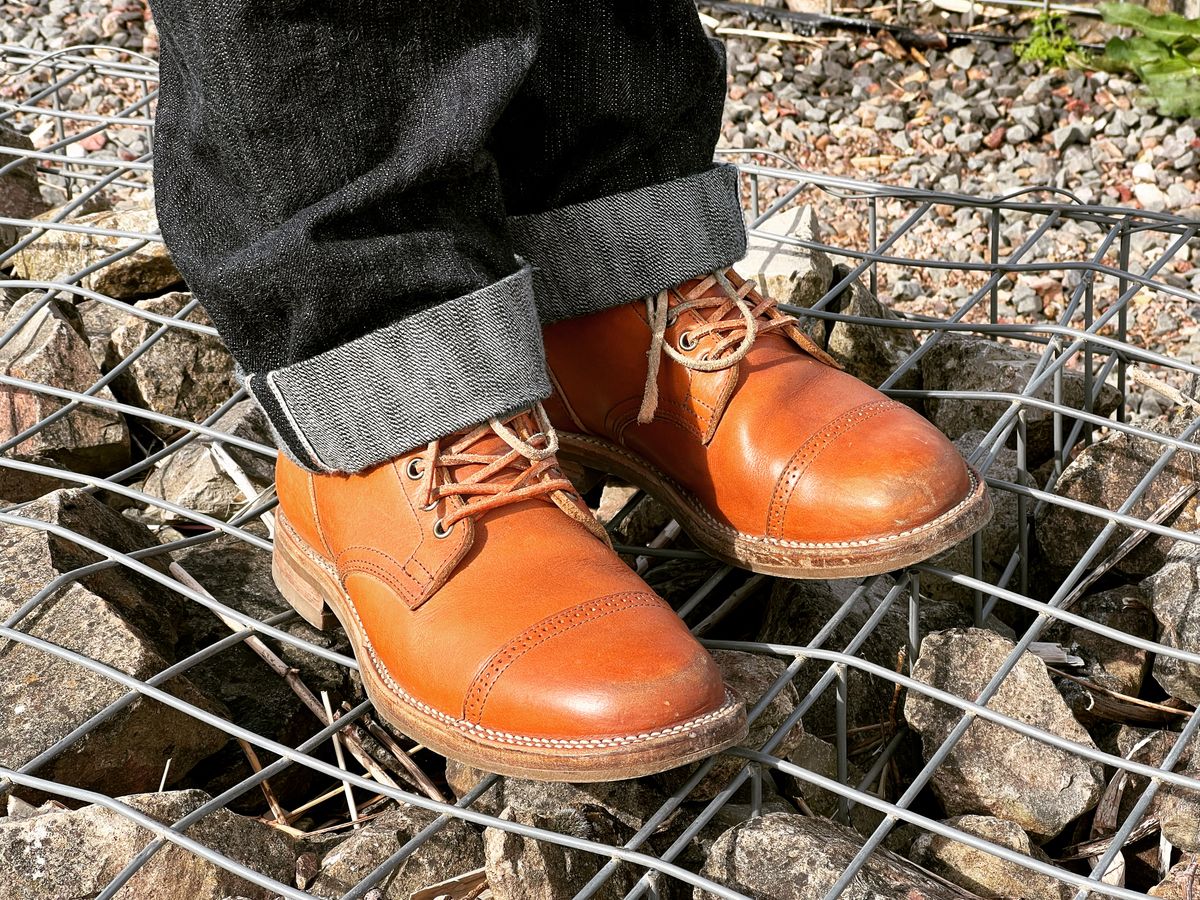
x: 614, y: 668
x: 887, y: 476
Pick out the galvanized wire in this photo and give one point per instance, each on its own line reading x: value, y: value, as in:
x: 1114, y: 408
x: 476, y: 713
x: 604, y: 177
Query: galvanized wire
x: 1090, y: 336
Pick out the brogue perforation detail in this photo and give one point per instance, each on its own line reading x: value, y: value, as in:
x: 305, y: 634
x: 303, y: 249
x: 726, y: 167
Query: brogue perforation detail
x: 541, y: 632
x: 810, y: 450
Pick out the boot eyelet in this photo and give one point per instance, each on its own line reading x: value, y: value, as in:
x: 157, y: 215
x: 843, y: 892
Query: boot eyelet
x: 414, y: 469
x: 430, y: 508
x: 686, y: 341
x: 440, y: 531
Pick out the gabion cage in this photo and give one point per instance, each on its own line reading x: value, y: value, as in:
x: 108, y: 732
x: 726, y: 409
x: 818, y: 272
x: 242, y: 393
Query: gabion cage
x: 1095, y: 373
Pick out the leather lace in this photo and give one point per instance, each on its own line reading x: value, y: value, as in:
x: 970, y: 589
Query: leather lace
x: 756, y: 314
x: 527, y: 470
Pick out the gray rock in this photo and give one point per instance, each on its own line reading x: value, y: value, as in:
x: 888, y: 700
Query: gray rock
x: 888, y: 123
x: 144, y: 272
x: 456, y: 848
x: 818, y: 756
x: 963, y: 57
x: 969, y: 142
x: 99, y: 320
x: 113, y: 616
x: 1174, y: 596
x: 675, y: 580
x: 184, y: 374
x: 798, y: 610
x: 791, y: 857
x: 643, y: 524
x: 987, y: 875
x: 1176, y: 808
x: 48, y: 350
x: 1150, y: 196
x: 194, y: 478
x: 523, y: 869
x: 751, y: 675
x: 784, y: 271
x: 992, y: 770
x: 1181, y: 881
x: 1066, y: 135
x: 628, y: 802
x: 1018, y: 134
x: 1112, y: 664
x: 1179, y: 197
x: 20, y: 197
x: 76, y: 853
x: 868, y: 352
x: 976, y: 364
x: 1104, y: 475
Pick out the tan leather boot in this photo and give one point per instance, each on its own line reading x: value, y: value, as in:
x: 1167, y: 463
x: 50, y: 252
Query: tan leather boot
x: 772, y: 458
x: 491, y: 619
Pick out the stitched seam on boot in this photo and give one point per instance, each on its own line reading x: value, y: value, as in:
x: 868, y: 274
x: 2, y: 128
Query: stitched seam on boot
x: 535, y: 635
x: 412, y: 557
x: 384, y: 573
x: 808, y: 453
x: 316, y: 512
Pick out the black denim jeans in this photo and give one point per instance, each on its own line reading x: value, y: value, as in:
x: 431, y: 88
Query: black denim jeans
x: 380, y: 201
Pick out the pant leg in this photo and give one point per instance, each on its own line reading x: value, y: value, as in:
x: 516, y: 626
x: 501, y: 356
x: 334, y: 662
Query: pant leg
x: 324, y: 184
x: 606, y: 155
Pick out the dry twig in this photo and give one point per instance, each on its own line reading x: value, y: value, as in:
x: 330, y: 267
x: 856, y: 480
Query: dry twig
x: 351, y: 734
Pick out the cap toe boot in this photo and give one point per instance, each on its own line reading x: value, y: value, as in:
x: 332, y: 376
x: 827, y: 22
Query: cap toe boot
x: 771, y: 457
x: 491, y: 619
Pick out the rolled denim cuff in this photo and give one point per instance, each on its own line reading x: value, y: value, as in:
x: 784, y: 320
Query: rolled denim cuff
x: 614, y: 249
x: 422, y: 377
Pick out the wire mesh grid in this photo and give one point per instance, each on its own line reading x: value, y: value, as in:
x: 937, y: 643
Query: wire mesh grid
x: 1115, y: 258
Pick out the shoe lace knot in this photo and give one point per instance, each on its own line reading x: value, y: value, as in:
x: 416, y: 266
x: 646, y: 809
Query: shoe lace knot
x: 737, y: 312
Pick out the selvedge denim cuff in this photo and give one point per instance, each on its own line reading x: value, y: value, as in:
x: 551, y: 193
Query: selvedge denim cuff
x: 420, y: 378
x: 611, y: 250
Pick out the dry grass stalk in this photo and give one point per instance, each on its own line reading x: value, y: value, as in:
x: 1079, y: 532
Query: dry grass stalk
x: 341, y: 759
x: 277, y: 809
x: 1175, y: 395
x: 1117, y: 707
x: 1169, y: 507
x: 1096, y: 847
x: 467, y: 886
x: 351, y: 734
x: 237, y: 475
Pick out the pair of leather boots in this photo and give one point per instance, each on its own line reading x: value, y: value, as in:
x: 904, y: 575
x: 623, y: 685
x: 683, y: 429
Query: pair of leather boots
x: 491, y: 618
